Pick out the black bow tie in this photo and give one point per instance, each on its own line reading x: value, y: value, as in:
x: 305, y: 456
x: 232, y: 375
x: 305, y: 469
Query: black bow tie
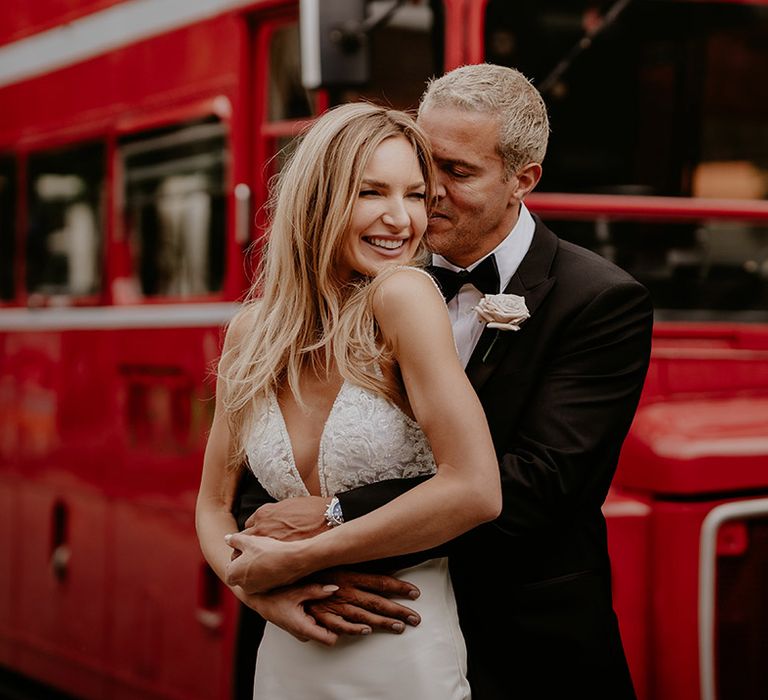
x: 485, y: 278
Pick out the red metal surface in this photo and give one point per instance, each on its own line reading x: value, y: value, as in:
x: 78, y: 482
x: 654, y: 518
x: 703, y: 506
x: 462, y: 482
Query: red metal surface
x: 680, y: 447
x: 630, y: 207
x: 475, y: 30
x: 672, y: 582
x: 111, y: 426
x: 22, y: 18
x: 629, y: 544
x: 455, y: 27
x: 92, y: 97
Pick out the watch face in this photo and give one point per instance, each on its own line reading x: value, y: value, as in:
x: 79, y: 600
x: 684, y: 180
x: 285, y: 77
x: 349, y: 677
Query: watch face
x: 336, y: 511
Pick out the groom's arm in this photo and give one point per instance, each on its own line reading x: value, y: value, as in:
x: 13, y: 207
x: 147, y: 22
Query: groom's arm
x: 364, y: 499
x: 303, y: 517
x: 250, y: 496
x: 562, y: 455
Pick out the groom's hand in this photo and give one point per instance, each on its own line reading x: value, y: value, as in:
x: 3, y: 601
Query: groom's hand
x: 363, y: 603
x: 291, y: 519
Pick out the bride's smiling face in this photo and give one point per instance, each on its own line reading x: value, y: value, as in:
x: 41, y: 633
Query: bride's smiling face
x: 389, y: 216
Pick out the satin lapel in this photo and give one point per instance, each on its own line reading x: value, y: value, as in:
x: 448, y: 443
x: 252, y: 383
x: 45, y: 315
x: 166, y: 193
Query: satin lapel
x: 532, y: 281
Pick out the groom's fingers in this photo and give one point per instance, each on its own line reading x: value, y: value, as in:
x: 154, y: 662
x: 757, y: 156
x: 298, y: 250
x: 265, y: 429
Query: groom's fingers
x: 355, y: 605
x: 376, y: 583
x: 329, y: 617
x: 328, y: 613
x: 377, y: 605
x: 364, y: 599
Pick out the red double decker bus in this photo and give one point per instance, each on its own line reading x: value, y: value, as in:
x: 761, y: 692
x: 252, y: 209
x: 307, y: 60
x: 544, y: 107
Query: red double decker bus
x: 137, y: 139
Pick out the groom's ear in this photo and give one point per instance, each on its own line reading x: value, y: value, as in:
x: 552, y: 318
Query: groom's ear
x: 527, y: 178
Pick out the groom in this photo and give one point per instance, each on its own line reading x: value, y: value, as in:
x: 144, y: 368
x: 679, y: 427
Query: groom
x: 533, y: 587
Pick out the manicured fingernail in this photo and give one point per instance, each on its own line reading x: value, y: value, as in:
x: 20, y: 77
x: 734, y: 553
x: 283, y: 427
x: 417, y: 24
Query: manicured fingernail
x: 227, y: 538
x: 413, y: 620
x: 414, y: 594
x: 330, y: 588
x: 365, y: 630
x: 398, y: 627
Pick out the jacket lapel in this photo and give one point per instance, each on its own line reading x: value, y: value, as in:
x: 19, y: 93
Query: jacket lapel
x: 531, y: 281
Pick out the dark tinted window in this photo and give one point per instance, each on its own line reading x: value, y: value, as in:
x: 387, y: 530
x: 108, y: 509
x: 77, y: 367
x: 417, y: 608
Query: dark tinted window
x: 708, y: 270
x: 405, y: 52
x: 65, y: 235
x: 669, y: 100
x: 7, y: 226
x: 175, y: 209
x: 287, y: 98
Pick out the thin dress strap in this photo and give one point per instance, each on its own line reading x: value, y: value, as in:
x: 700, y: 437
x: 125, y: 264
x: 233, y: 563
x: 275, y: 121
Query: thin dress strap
x: 390, y: 270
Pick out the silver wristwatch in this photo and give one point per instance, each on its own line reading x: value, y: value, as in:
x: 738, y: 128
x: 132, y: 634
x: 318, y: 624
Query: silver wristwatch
x: 333, y: 515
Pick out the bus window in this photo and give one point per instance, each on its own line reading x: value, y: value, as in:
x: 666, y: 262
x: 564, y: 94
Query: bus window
x: 65, y: 232
x: 700, y: 270
x: 405, y: 51
x: 289, y: 104
x: 666, y: 101
x: 175, y: 209
x: 287, y: 99
x: 7, y: 226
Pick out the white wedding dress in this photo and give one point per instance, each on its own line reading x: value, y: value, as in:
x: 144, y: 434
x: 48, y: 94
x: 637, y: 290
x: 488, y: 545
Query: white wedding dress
x: 365, y: 439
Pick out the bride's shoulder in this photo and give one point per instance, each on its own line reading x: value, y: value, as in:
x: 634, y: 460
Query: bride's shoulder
x: 407, y: 304
x: 404, y: 285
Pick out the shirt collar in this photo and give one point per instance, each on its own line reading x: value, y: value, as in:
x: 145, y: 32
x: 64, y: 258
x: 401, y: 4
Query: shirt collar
x: 509, y: 253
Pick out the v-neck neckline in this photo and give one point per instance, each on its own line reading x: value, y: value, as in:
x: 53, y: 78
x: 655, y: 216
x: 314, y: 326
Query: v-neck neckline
x: 289, y: 445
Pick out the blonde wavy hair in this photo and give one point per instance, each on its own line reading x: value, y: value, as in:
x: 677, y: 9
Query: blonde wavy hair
x: 300, y: 315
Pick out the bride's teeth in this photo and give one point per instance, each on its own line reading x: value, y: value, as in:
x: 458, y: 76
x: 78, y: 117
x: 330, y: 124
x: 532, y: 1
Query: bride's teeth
x: 385, y: 243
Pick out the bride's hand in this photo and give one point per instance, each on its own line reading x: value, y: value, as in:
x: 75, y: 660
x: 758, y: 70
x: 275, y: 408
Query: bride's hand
x: 263, y: 563
x: 285, y: 607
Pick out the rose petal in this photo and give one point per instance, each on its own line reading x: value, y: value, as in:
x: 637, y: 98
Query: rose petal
x: 503, y: 311
x: 504, y: 326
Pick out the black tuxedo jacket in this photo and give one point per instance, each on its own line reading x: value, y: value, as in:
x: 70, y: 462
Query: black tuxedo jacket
x: 533, y: 587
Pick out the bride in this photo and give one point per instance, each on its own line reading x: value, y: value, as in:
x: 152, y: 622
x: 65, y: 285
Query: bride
x: 339, y: 371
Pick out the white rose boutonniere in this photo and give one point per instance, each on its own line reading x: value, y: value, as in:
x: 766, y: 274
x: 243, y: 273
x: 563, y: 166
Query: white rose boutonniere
x: 503, y: 311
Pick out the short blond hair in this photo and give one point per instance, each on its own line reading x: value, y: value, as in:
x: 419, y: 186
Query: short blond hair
x: 505, y: 93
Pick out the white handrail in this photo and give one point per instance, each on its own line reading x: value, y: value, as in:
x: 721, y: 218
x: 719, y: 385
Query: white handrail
x: 707, y: 578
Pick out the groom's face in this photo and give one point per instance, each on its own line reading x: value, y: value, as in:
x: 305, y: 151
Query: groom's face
x: 477, y: 202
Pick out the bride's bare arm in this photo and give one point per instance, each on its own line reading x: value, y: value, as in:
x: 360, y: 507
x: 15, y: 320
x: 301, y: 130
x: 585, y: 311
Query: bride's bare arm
x: 219, y: 482
x: 464, y: 493
x: 214, y: 519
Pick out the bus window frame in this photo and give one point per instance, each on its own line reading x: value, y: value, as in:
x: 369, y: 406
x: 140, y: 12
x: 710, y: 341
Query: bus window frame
x: 266, y: 132
x: 220, y: 107
x: 88, y: 132
x: 269, y: 130
x: 40, y: 146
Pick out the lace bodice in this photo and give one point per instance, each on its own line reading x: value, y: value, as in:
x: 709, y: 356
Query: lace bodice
x: 365, y: 439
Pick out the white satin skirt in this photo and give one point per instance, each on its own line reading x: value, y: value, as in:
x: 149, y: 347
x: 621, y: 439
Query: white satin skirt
x: 427, y: 662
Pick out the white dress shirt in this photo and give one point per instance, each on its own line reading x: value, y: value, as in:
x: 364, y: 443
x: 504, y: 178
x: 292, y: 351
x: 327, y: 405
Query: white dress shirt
x: 467, y: 325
